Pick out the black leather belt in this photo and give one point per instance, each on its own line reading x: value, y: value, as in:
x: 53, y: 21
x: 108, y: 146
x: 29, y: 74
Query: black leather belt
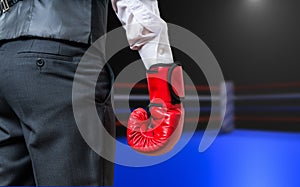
x: 6, y: 4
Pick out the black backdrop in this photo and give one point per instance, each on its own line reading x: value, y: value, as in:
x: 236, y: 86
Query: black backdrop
x: 254, y: 41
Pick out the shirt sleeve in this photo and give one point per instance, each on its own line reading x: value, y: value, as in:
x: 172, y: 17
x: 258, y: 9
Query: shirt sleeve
x: 145, y: 30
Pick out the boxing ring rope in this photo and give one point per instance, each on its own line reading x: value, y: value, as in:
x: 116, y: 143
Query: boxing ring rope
x: 268, y: 97
x: 187, y: 87
x: 217, y: 88
x: 217, y: 98
x: 240, y: 108
x: 267, y: 86
x: 226, y: 98
x: 187, y: 98
x: 269, y: 119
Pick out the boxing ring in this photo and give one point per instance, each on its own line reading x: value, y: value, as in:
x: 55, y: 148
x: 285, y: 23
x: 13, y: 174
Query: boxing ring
x: 241, y: 158
x: 238, y: 157
x: 235, y: 102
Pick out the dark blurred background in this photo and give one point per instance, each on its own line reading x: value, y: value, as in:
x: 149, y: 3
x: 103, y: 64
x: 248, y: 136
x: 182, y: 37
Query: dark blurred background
x: 254, y: 41
x: 256, y: 44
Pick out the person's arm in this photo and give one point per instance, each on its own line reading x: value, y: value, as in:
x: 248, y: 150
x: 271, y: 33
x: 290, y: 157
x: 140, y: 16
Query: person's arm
x: 145, y: 30
x: 157, y: 131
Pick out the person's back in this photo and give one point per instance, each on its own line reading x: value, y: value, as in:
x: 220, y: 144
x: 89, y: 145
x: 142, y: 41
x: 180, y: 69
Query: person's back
x: 41, y: 44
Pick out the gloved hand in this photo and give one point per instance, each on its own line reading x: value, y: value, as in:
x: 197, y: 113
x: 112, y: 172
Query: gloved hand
x: 157, y: 132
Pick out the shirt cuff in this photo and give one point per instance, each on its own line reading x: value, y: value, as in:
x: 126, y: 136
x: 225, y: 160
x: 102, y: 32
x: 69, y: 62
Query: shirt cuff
x: 146, y: 31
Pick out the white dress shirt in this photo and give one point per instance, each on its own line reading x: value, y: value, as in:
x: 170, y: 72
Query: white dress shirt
x: 145, y: 30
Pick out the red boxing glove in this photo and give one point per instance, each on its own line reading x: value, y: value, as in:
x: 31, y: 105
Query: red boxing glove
x: 157, y: 133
